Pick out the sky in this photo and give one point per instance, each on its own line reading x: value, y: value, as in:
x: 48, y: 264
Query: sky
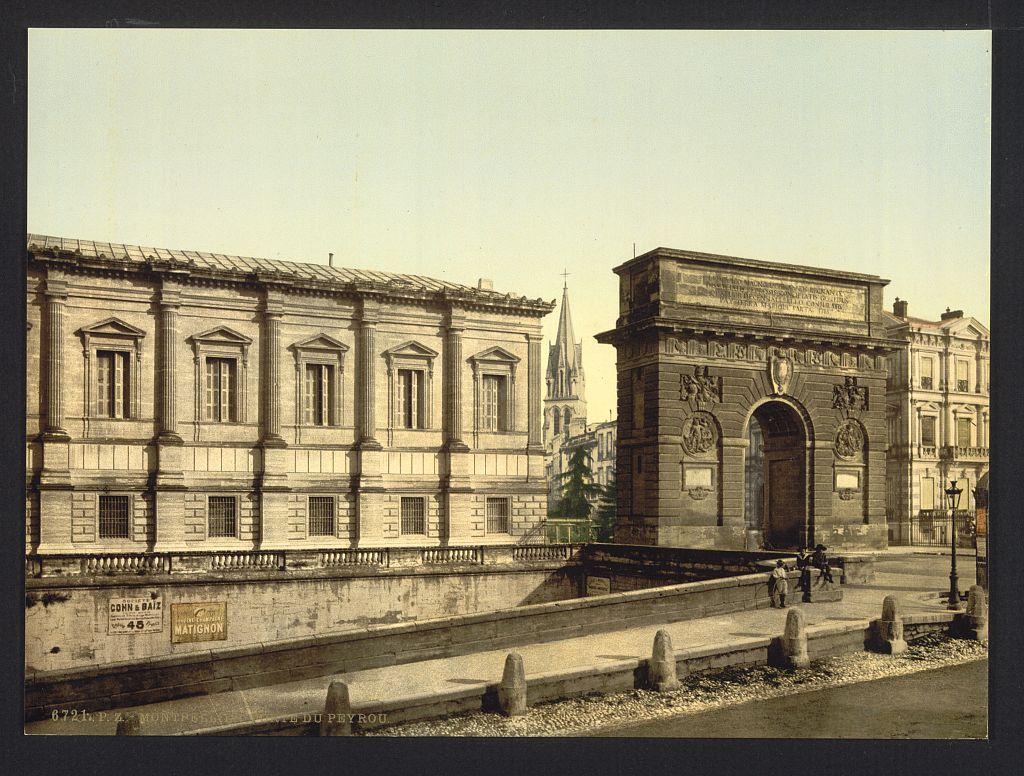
x: 517, y: 155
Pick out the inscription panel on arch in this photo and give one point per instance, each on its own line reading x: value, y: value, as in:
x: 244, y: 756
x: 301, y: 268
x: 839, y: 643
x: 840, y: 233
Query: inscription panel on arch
x: 754, y: 292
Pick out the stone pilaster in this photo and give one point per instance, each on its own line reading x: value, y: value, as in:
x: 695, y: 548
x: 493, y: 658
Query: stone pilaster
x: 169, y: 490
x: 55, y: 494
x: 56, y: 301
x: 533, y: 392
x: 453, y: 368
x: 273, y: 483
x: 270, y: 385
x: 369, y: 483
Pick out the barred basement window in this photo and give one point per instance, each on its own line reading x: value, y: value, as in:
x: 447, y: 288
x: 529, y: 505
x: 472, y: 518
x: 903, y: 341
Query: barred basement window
x: 498, y: 515
x: 413, y: 516
x: 113, y: 517
x: 222, y: 516
x: 321, y: 515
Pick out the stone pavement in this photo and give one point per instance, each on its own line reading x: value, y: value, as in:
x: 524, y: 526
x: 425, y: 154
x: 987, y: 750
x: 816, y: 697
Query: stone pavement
x: 917, y: 578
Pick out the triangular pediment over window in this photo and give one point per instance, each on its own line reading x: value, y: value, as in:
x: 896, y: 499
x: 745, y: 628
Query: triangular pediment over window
x: 968, y: 327
x: 496, y: 355
x: 411, y: 349
x: 112, y: 327
x: 321, y: 342
x: 221, y: 335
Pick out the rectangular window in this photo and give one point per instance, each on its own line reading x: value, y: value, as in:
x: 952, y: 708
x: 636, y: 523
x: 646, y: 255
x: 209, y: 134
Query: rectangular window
x: 410, y: 398
x: 114, y: 517
x: 963, y: 432
x: 927, y: 373
x: 495, y: 403
x: 961, y: 376
x: 221, y: 402
x: 222, y: 516
x: 319, y: 395
x: 413, y: 516
x: 498, y: 515
x: 112, y: 384
x: 928, y: 432
x: 927, y: 493
x: 321, y: 515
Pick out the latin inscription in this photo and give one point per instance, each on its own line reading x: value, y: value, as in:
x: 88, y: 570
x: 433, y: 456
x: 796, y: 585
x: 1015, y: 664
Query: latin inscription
x: 756, y: 293
x: 598, y: 585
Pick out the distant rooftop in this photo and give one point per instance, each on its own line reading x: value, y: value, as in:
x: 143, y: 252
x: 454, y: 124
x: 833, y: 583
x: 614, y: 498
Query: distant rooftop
x: 246, y: 266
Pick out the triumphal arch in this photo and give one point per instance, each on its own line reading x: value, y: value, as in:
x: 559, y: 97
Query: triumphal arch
x: 751, y: 403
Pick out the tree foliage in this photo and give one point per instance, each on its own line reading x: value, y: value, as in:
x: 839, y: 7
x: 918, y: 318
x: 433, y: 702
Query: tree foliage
x: 578, y: 486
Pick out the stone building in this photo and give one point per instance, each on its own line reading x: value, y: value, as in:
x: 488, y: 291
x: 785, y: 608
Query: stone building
x: 185, y: 401
x: 715, y: 352
x: 599, y: 440
x: 937, y: 412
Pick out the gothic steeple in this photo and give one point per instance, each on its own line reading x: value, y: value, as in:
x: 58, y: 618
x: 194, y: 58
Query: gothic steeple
x: 565, y: 379
x: 565, y: 404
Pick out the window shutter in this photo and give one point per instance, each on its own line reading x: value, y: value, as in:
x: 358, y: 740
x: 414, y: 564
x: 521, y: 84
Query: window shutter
x: 310, y: 399
x: 118, y: 360
x: 225, y: 396
x: 416, y: 413
x: 103, y: 384
x: 211, y: 412
x: 403, y: 398
x: 325, y: 393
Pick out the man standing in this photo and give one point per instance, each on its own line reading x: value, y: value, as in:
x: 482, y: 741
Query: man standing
x: 779, y: 584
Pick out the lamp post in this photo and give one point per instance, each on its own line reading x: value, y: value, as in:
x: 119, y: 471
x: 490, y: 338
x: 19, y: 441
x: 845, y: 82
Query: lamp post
x: 953, y: 497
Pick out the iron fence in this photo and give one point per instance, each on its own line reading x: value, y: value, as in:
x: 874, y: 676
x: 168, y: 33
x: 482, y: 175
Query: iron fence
x: 931, y: 528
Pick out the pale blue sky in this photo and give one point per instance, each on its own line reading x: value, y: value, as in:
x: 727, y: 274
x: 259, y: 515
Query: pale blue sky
x: 511, y: 155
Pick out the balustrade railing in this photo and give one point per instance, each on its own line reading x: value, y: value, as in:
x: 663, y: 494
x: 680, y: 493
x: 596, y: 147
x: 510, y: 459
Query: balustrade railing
x: 542, y: 552
x: 445, y: 555
x: 227, y: 561
x: 127, y: 563
x: 298, y: 561
x: 355, y: 557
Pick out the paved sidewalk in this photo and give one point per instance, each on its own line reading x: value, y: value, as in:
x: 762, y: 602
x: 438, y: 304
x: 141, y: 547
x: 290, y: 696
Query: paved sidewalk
x: 917, y: 580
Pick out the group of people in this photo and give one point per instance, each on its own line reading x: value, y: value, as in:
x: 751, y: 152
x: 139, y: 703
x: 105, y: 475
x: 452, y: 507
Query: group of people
x: 805, y: 561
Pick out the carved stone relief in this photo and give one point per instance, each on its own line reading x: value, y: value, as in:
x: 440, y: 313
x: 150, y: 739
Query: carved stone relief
x: 699, y: 434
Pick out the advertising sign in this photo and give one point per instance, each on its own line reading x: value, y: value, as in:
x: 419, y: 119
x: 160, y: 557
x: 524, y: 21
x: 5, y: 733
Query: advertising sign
x: 135, y: 615
x: 199, y: 622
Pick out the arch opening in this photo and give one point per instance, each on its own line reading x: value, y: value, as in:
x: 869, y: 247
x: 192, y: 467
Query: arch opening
x: 775, y: 481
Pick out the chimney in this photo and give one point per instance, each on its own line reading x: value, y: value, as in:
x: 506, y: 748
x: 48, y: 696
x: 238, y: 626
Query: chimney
x: 954, y: 314
x: 485, y: 284
x: 330, y: 259
x: 899, y: 308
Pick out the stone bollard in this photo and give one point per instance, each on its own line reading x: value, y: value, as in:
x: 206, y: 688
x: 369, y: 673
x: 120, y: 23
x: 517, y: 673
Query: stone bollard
x: 512, y: 690
x: 794, y: 640
x: 661, y: 668
x: 337, y: 716
x: 890, y: 628
x: 977, y: 614
x: 129, y: 725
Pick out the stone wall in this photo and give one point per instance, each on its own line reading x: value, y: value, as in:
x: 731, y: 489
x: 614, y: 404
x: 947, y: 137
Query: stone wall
x: 215, y: 670
x: 66, y: 626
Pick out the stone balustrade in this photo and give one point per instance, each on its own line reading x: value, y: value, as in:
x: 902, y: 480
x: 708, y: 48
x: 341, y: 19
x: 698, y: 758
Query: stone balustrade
x: 956, y: 453
x: 291, y: 561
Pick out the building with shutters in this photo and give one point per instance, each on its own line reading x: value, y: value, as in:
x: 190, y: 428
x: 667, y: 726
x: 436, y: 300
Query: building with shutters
x: 186, y: 401
x: 937, y: 416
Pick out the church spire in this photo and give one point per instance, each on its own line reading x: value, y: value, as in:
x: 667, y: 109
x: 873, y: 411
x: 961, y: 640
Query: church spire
x: 565, y: 357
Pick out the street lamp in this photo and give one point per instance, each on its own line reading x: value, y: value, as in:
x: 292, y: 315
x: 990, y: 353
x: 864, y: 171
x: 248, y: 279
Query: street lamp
x: 953, y: 496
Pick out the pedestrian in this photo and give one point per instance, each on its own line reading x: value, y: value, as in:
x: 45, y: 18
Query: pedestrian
x: 779, y: 585
x: 803, y: 565
x: 820, y: 561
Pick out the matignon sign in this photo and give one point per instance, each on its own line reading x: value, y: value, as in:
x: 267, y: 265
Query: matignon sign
x: 199, y: 622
